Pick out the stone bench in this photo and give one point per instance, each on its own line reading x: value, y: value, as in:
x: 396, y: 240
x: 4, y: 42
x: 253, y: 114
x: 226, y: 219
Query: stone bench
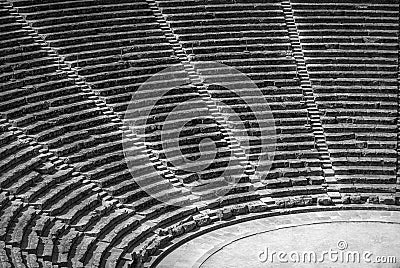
x: 42, y: 19
x: 9, y: 215
x: 110, y: 174
x: 18, y: 233
x: 58, y: 193
x: 69, y: 201
x: 81, y: 209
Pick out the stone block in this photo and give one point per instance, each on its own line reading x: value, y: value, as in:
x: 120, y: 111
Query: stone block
x: 355, y: 199
x: 224, y: 213
x: 346, y: 199
x: 324, y: 200
x: 373, y: 199
x: 202, y: 220
x: 239, y: 209
x: 387, y: 200
x: 176, y: 231
x: 189, y: 226
x: 257, y: 207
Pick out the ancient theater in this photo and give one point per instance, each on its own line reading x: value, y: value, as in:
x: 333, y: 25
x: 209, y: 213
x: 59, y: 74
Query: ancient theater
x: 199, y: 133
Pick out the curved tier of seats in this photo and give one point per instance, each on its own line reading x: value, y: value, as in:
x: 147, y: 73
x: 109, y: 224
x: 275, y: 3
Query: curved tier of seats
x: 214, y: 31
x: 49, y: 105
x: 113, y: 75
x: 351, y: 51
x: 93, y: 212
x: 115, y: 47
x: 66, y: 120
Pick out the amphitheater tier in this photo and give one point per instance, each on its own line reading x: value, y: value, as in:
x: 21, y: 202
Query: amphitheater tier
x: 79, y: 188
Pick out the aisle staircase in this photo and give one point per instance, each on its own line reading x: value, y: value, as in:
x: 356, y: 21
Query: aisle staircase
x: 312, y: 108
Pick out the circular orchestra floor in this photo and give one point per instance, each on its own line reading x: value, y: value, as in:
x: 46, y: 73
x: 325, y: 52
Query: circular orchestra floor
x: 317, y: 239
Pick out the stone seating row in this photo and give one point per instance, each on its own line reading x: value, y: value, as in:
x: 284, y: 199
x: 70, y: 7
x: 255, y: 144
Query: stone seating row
x: 80, y: 34
x: 35, y: 6
x: 65, y: 247
x: 134, y: 35
x: 346, y: 82
x: 65, y: 119
x: 45, y: 186
x: 128, y: 43
x: 354, y: 89
x: 46, y: 30
x: 100, y: 160
x: 225, y: 14
x: 15, y: 53
x: 359, y: 120
x: 352, y: 74
x: 58, y: 192
x: 350, y: 33
x: 341, y: 104
x: 28, y: 61
x: 129, y: 72
x: 242, y: 32
x: 363, y: 153
x: 9, y: 215
x: 127, y: 60
x: 366, y: 161
x: 212, y: 2
x: 342, y: 5
x: 104, y: 85
x: 268, y: 23
x: 350, y: 26
x: 81, y: 210
x: 285, y: 172
x: 46, y: 19
x: 347, y: 11
x: 368, y: 188
x: 76, y: 129
x: 350, y: 67
x: 18, y: 236
x: 40, y: 83
x: 361, y: 61
x: 73, y: 136
x: 50, y: 239
x: 69, y: 200
x: 366, y: 179
x: 29, y: 72
x: 106, y: 240
x: 368, y: 169
x: 345, y: 19
x: 209, y: 6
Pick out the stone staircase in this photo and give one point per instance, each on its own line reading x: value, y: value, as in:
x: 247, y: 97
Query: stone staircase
x: 195, y: 79
x: 398, y: 121
x: 312, y: 108
x: 99, y: 102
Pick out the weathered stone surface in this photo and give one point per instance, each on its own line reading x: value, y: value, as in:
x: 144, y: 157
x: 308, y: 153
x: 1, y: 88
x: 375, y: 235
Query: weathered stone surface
x: 239, y: 209
x: 324, y: 200
x: 224, y: 213
x: 387, y: 200
x: 308, y: 201
x: 202, y: 220
x: 355, y: 199
x: 189, y: 226
x: 257, y: 207
x: 346, y: 199
x: 373, y: 199
x: 280, y: 203
x: 289, y: 203
x: 176, y: 231
x: 298, y: 202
